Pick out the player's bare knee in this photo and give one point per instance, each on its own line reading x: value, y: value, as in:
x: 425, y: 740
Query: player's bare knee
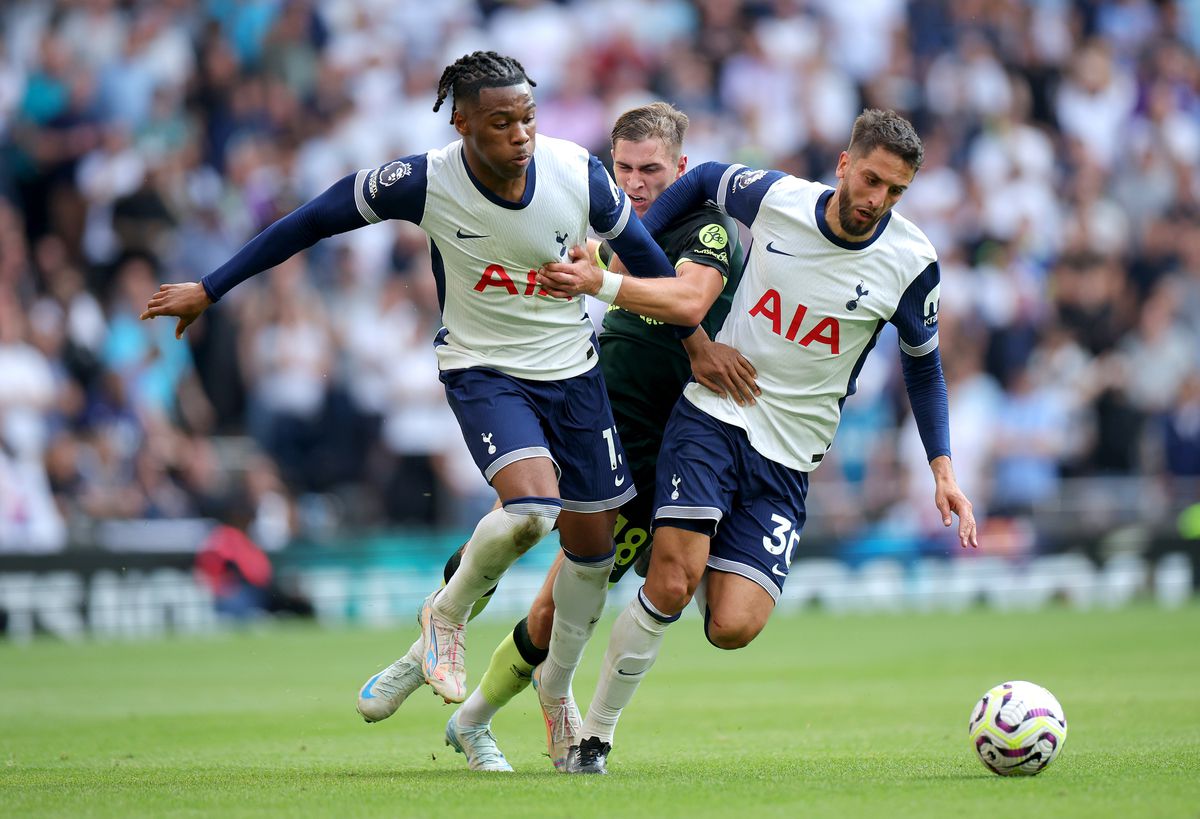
x: 670, y: 591
x: 670, y: 585
x: 729, y: 636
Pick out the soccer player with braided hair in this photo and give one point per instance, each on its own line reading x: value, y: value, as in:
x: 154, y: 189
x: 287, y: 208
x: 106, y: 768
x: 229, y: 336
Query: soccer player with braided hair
x: 645, y: 370
x: 518, y: 365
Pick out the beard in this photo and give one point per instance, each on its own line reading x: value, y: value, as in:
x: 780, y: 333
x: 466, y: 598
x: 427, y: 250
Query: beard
x: 851, y: 223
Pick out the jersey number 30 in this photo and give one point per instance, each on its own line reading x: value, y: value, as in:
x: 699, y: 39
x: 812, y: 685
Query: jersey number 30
x: 783, y: 539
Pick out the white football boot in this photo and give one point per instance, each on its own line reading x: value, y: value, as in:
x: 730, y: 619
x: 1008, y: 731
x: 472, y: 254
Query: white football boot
x: 381, y: 695
x: 445, y: 663
x: 478, y: 745
x: 562, y: 723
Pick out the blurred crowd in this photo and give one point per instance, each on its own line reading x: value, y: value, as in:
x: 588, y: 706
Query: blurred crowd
x: 144, y: 141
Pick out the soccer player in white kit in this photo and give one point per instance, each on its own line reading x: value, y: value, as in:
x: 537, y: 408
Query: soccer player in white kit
x: 828, y: 267
x: 518, y: 363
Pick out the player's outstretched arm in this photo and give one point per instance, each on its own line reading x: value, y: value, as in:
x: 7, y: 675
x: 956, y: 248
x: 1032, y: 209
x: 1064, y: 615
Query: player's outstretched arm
x: 184, y: 301
x: 683, y: 299
x: 334, y: 211
x: 950, y: 499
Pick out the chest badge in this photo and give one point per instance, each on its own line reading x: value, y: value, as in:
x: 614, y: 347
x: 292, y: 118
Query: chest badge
x: 858, y: 289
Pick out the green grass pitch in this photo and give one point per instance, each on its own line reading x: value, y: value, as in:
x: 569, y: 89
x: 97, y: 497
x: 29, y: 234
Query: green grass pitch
x: 823, y: 716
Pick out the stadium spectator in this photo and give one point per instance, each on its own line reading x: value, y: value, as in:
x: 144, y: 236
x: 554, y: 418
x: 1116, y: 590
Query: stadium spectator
x: 239, y: 573
x: 1062, y: 178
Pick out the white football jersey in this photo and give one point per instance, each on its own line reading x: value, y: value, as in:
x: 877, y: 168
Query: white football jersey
x: 486, y: 252
x: 810, y: 307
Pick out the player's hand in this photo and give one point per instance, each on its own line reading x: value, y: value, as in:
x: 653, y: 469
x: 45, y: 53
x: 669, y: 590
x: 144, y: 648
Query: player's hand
x: 184, y: 301
x: 577, y: 276
x: 950, y: 499
x: 722, y: 369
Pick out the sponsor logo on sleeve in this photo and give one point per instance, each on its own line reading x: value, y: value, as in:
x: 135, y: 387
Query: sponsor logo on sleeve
x: 746, y: 178
x: 393, y: 172
x: 931, y: 304
x: 719, y: 255
x: 713, y: 236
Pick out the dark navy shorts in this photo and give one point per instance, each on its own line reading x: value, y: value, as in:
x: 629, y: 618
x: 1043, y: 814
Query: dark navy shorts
x: 711, y: 480
x: 505, y: 419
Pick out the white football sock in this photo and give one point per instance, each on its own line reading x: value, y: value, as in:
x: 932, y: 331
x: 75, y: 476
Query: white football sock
x: 476, y: 712
x: 579, y: 594
x: 632, y: 649
x: 500, y: 538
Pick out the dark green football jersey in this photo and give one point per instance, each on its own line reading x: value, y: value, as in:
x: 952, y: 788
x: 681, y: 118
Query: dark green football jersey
x: 706, y: 237
x: 645, y: 366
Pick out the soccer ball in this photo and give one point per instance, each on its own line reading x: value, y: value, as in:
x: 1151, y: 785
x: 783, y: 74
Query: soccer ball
x: 1017, y: 729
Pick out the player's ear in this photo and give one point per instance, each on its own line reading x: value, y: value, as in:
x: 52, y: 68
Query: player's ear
x: 681, y: 166
x: 461, y: 125
x: 843, y: 163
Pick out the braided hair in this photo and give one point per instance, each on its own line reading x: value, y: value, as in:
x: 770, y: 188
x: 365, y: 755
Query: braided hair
x: 467, y: 75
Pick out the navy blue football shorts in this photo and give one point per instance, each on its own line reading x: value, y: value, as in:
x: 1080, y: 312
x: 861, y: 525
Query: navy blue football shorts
x: 712, y: 481
x: 506, y: 419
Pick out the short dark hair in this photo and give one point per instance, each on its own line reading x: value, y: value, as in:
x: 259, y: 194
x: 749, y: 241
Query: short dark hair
x: 888, y: 130
x: 467, y: 75
x: 659, y: 120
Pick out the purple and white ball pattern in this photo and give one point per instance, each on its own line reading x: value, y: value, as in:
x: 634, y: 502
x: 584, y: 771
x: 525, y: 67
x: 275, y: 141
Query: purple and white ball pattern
x: 1017, y: 729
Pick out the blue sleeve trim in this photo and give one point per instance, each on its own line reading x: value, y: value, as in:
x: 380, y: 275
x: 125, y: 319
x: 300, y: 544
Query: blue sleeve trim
x: 926, y: 386
x: 333, y: 212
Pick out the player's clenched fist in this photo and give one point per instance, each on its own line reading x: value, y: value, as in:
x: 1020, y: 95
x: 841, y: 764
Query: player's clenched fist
x: 184, y: 301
